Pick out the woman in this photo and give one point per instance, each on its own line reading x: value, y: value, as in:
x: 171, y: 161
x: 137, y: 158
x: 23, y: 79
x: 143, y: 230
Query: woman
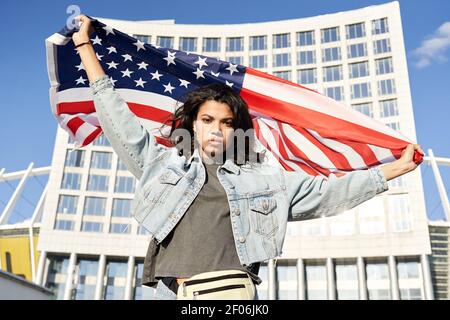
x: 214, y: 209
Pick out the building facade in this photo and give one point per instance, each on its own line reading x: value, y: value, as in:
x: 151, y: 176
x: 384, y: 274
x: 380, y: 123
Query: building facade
x: 91, y: 247
x: 440, y: 267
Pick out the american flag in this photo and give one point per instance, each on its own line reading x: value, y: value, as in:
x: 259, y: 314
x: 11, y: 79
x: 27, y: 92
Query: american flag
x: 302, y: 129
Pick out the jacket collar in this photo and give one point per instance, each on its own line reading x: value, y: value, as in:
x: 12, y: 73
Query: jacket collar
x: 228, y: 165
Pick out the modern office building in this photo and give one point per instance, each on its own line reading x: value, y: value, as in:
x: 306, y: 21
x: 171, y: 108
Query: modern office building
x: 91, y: 248
x: 439, y: 264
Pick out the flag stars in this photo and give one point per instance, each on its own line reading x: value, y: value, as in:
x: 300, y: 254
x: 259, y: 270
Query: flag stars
x: 168, y: 87
x: 127, y: 57
x: 199, y: 73
x: 184, y: 83
x: 127, y: 73
x: 99, y: 57
x: 170, y: 58
x: 140, y: 82
x: 111, y: 49
x: 232, y: 68
x: 201, y: 62
x: 142, y: 65
x: 108, y: 30
x: 230, y: 84
x: 112, y: 80
x: 139, y: 45
x: 97, y: 40
x: 80, y: 66
x: 81, y: 80
x: 112, y: 64
x: 215, y: 74
x: 156, y: 75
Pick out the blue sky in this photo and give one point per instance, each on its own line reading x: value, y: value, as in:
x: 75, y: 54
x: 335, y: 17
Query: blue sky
x: 27, y: 127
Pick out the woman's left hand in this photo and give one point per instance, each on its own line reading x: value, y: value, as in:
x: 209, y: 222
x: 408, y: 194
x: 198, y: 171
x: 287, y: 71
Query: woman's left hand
x: 403, y: 165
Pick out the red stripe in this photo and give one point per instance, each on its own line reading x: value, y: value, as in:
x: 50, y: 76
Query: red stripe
x: 74, y: 123
x: 92, y: 136
x: 75, y: 107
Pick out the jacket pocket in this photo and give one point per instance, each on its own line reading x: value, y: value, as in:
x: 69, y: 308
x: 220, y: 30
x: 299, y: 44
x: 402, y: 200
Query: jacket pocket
x: 262, y: 214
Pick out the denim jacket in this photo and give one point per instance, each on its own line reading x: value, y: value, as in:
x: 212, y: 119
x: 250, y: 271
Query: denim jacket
x: 262, y: 198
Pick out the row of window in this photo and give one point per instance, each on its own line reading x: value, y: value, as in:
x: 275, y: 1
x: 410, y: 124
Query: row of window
x: 92, y: 226
x: 283, y: 40
x: 97, y: 182
x: 94, y: 206
x: 99, y: 160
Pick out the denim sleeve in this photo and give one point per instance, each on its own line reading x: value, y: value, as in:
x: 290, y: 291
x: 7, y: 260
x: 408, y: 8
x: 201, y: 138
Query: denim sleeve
x: 132, y: 142
x: 313, y: 197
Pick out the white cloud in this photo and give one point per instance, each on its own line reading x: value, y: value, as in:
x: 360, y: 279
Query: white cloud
x: 434, y: 48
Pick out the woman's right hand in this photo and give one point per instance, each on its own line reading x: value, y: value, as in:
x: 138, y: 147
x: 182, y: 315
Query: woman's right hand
x: 86, y: 29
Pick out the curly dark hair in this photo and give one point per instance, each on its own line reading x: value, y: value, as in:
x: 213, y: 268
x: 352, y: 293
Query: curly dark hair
x: 184, y: 116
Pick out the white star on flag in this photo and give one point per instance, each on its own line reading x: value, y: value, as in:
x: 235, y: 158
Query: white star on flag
x: 108, y: 30
x: 127, y: 57
x: 184, y: 83
x: 99, y: 57
x: 140, y: 82
x: 81, y: 80
x: 97, y: 40
x: 112, y: 64
x: 111, y: 49
x: 139, y: 45
x: 201, y: 62
x: 142, y: 65
x: 112, y: 80
x: 215, y: 74
x: 230, y: 84
x: 156, y: 75
x: 170, y: 58
x: 80, y: 66
x: 127, y: 73
x: 168, y: 87
x: 199, y: 73
x: 232, y: 68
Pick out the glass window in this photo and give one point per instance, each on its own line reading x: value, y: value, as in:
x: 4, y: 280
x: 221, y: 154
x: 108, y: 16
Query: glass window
x: 165, y: 42
x: 286, y: 75
x: 358, y: 70
x: 67, y: 204
x: 408, y: 269
x: 116, y: 274
x: 87, y: 279
x: 381, y: 46
x: 101, y: 141
x: 286, y: 272
x: 71, y: 181
x: 211, y: 44
x: 74, y: 158
x: 357, y: 50
x: 122, y: 228
x: 125, y: 184
x: 394, y: 125
x: 121, y: 208
x: 281, y: 40
x: 306, y: 57
x: 188, y: 44
x: 94, y: 206
x: 378, y: 282
x: 316, y: 281
x: 384, y: 66
x: 360, y: 90
x: 235, y: 44
x: 143, y: 231
x: 399, y: 212
x: 56, y: 276
x: 397, y: 182
x: 141, y: 292
x: 258, y: 61
x: 121, y: 166
x: 411, y: 294
x: 380, y: 26
x: 305, y: 38
x: 101, y: 160
x: 307, y: 76
x: 64, y: 225
x: 333, y: 73
x: 88, y: 226
x: 356, y: 30
x: 388, y: 108
x: 236, y: 59
x: 258, y: 43
x: 330, y: 35
x: 336, y: 93
x: 366, y: 108
x: 331, y: 54
x: 142, y: 38
x: 97, y: 182
x: 377, y: 270
x: 386, y: 87
x: 281, y: 60
x: 347, y: 281
x: 372, y: 216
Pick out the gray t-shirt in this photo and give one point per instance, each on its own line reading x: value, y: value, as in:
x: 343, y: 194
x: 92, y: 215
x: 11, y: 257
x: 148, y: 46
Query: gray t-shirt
x: 202, y: 241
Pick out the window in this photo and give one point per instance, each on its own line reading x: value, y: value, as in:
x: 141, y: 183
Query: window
x: 87, y: 279
x: 347, y: 281
x: 358, y: 70
x: 116, y: 274
x: 365, y: 108
x: 94, y: 206
x: 88, y: 226
x: 125, y: 184
x: 372, y: 216
x: 305, y: 38
x: 97, y: 182
x: 331, y: 54
x: 386, y: 87
x: 235, y: 44
x: 378, y: 282
x: 56, y: 276
x: 394, y: 125
x: 281, y: 60
x: 307, y: 76
x: 380, y: 26
x: 333, y: 73
x: 142, y: 38
x: 356, y: 30
x: 188, y: 44
x: 165, y: 42
x: 121, y: 166
x: 381, y: 46
x: 211, y: 44
x: 102, y: 141
x: 281, y: 40
x: 316, y: 281
x: 143, y: 231
x: 357, y: 50
x: 258, y: 61
x: 71, y: 181
x: 286, y: 271
x: 141, y: 292
x: 235, y: 59
x: 258, y: 43
x: 399, y: 212
x: 306, y: 57
x: 67, y: 204
x: 123, y: 228
x: 101, y: 160
x: 330, y: 35
x: 384, y: 66
x: 64, y: 225
x: 360, y: 90
x: 388, y: 108
x: 286, y: 75
x: 121, y: 208
x: 74, y: 158
x: 336, y: 93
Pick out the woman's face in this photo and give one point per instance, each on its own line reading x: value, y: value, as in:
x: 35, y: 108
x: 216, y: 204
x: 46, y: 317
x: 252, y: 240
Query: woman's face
x: 213, y: 127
